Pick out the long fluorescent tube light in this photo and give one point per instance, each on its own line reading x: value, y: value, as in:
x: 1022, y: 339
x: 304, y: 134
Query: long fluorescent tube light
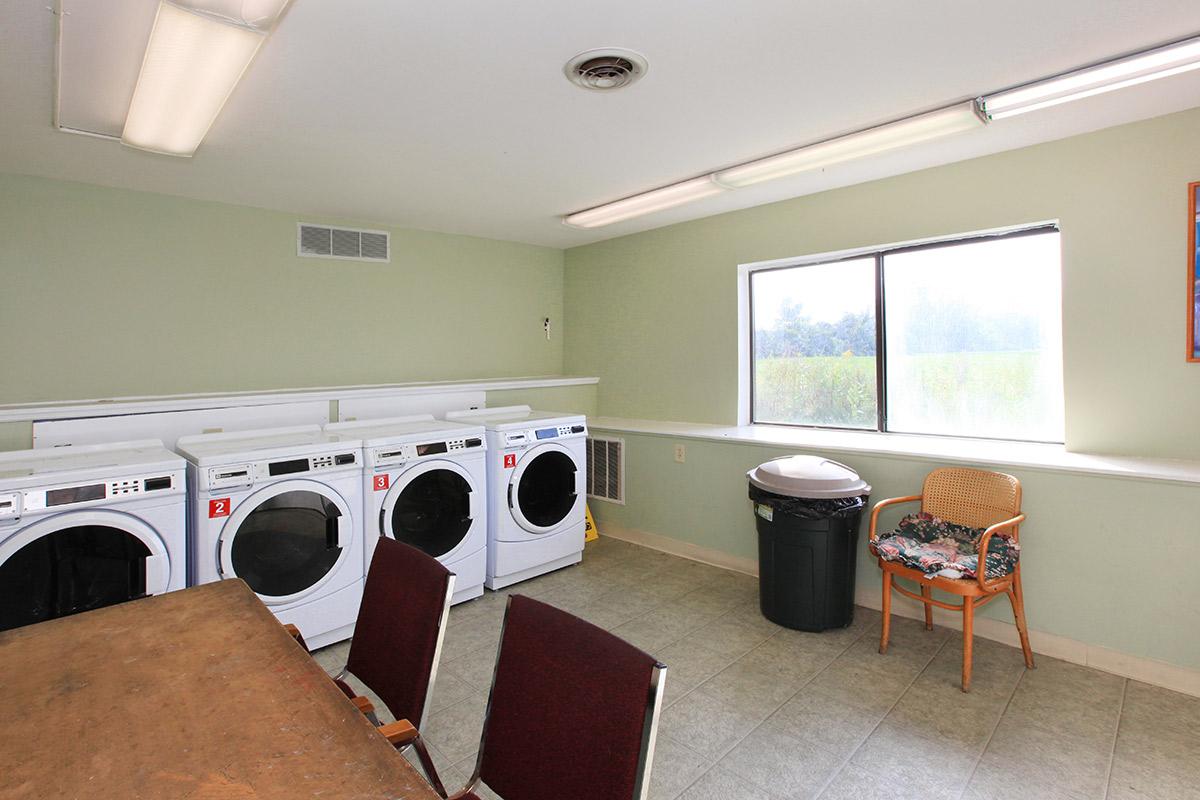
x: 892, y: 136
x: 1148, y: 66
x: 193, y: 61
x: 654, y: 200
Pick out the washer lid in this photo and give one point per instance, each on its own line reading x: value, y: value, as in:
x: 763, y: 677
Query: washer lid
x: 808, y: 476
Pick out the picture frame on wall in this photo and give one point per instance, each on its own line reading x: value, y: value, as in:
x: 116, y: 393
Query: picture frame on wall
x: 1194, y: 272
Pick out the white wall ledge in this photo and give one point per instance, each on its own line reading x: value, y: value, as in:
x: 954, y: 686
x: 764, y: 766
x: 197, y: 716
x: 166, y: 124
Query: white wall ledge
x: 1026, y: 455
x: 107, y: 407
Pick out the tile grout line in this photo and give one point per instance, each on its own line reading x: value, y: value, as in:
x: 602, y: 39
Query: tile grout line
x: 815, y: 675
x: 991, y: 735
x: 842, y: 767
x: 1112, y: 755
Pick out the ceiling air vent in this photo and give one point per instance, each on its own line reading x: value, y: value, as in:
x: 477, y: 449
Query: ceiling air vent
x: 605, y: 69
x: 606, y: 469
x: 320, y: 241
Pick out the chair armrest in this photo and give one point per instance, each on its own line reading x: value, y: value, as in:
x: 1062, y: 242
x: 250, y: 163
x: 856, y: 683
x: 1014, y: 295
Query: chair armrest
x: 365, y: 706
x: 984, y: 541
x: 400, y: 733
x: 882, y: 504
x: 294, y: 632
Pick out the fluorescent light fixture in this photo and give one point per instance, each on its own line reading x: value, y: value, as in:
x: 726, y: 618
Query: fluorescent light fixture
x: 645, y: 203
x: 194, y: 59
x: 892, y: 136
x: 1130, y: 71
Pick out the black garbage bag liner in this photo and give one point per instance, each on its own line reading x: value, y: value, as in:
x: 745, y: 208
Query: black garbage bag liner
x: 809, y: 507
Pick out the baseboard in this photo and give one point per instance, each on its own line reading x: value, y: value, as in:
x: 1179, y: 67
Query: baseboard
x: 676, y: 547
x: 1146, y: 670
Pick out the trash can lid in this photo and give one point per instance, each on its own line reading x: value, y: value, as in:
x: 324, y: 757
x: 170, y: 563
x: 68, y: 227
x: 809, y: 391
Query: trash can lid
x: 808, y: 476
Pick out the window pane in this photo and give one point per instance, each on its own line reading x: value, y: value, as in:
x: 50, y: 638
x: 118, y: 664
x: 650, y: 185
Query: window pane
x: 814, y: 344
x: 974, y: 339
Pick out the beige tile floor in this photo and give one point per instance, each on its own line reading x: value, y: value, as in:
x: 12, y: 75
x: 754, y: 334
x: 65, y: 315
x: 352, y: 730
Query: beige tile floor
x: 758, y: 711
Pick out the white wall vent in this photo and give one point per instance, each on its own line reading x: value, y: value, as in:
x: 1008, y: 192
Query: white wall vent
x: 606, y: 469
x: 322, y: 241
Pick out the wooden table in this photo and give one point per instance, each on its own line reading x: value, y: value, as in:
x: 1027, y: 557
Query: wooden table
x: 196, y: 694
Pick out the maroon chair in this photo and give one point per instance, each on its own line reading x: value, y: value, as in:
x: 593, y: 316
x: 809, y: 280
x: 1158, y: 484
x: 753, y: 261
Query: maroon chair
x: 397, y: 640
x: 573, y: 711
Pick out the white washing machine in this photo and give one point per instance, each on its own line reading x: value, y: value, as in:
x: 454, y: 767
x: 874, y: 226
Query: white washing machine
x: 282, y: 510
x: 537, y: 479
x: 423, y: 484
x: 89, y: 526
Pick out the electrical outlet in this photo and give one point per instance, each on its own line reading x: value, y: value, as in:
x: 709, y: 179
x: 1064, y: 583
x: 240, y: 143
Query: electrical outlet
x: 680, y: 453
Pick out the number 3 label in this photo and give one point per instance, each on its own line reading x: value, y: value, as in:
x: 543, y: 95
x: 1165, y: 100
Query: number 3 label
x: 218, y: 508
x: 381, y: 482
x: 510, y: 460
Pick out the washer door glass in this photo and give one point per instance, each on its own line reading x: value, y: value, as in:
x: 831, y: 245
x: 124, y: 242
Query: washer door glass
x: 433, y: 512
x: 70, y: 570
x: 545, y: 493
x: 287, y: 544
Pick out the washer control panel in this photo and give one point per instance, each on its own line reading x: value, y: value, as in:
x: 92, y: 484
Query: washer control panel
x: 544, y: 434
x: 254, y: 471
x: 399, y: 454
x: 79, y: 493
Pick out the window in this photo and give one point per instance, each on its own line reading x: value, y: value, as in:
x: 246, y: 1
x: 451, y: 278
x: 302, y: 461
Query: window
x: 954, y: 338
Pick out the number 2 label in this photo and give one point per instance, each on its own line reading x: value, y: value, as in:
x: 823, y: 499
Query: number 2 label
x: 218, y: 508
x: 381, y: 482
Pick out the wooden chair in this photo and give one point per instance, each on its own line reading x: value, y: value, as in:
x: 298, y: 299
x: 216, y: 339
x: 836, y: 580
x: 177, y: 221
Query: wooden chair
x: 397, y: 641
x: 573, y: 711
x: 977, y: 499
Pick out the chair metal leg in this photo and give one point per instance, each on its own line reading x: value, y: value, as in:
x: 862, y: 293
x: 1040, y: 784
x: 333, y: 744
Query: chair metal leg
x: 431, y: 772
x: 927, y: 593
x: 1017, y: 599
x: 886, y: 627
x: 968, y: 640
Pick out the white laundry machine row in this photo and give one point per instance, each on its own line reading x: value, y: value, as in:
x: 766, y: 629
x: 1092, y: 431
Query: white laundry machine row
x: 89, y: 526
x: 537, y: 489
x: 424, y: 484
x: 282, y: 510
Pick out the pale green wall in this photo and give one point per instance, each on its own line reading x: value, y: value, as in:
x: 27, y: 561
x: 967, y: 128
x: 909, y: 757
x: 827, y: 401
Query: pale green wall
x: 1107, y: 561
x: 114, y: 293
x: 654, y: 314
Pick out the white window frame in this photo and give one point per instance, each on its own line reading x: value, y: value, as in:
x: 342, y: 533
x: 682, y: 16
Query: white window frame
x: 745, y: 377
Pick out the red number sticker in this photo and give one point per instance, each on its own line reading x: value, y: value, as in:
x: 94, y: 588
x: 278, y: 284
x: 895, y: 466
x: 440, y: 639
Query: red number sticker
x: 218, y: 508
x: 382, y: 482
x: 510, y: 460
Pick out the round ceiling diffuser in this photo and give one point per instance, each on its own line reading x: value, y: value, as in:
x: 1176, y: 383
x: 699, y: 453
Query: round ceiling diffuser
x: 605, y: 69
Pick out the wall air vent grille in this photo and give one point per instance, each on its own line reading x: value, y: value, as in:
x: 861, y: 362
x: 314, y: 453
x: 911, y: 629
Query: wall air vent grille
x: 320, y: 241
x: 606, y: 469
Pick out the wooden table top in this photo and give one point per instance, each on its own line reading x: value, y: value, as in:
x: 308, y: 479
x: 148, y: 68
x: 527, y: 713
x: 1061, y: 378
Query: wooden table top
x: 196, y: 694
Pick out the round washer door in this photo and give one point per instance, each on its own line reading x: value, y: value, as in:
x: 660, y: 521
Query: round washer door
x: 78, y: 561
x: 545, y: 488
x: 286, y: 540
x: 432, y: 507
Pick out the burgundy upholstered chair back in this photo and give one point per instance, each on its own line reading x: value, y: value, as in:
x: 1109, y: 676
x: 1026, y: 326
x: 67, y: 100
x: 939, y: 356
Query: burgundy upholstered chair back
x: 569, y: 714
x: 395, y: 646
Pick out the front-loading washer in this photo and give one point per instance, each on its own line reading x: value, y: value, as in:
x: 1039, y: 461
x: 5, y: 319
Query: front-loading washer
x: 537, y: 485
x: 282, y: 510
x: 89, y: 526
x: 424, y: 483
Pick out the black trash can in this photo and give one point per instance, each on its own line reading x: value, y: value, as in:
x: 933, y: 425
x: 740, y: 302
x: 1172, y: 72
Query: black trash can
x: 807, y: 509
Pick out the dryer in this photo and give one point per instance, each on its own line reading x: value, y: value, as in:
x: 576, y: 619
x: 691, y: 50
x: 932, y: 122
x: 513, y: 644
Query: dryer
x: 89, y: 526
x: 537, y: 488
x: 282, y: 510
x: 424, y: 483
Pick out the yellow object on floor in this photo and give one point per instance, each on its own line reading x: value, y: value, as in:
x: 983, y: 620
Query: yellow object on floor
x: 590, y: 534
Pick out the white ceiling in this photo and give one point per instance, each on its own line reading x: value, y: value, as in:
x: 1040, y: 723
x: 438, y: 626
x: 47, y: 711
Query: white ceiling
x: 456, y: 116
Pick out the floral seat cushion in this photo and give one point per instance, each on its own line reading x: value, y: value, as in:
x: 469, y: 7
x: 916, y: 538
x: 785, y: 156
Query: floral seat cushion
x: 937, y: 547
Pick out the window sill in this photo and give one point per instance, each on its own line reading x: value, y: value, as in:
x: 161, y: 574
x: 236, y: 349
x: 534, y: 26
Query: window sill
x: 1027, y: 455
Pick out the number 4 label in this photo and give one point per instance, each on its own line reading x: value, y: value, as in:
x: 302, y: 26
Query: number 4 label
x: 510, y: 460
x: 381, y: 482
x: 218, y: 508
